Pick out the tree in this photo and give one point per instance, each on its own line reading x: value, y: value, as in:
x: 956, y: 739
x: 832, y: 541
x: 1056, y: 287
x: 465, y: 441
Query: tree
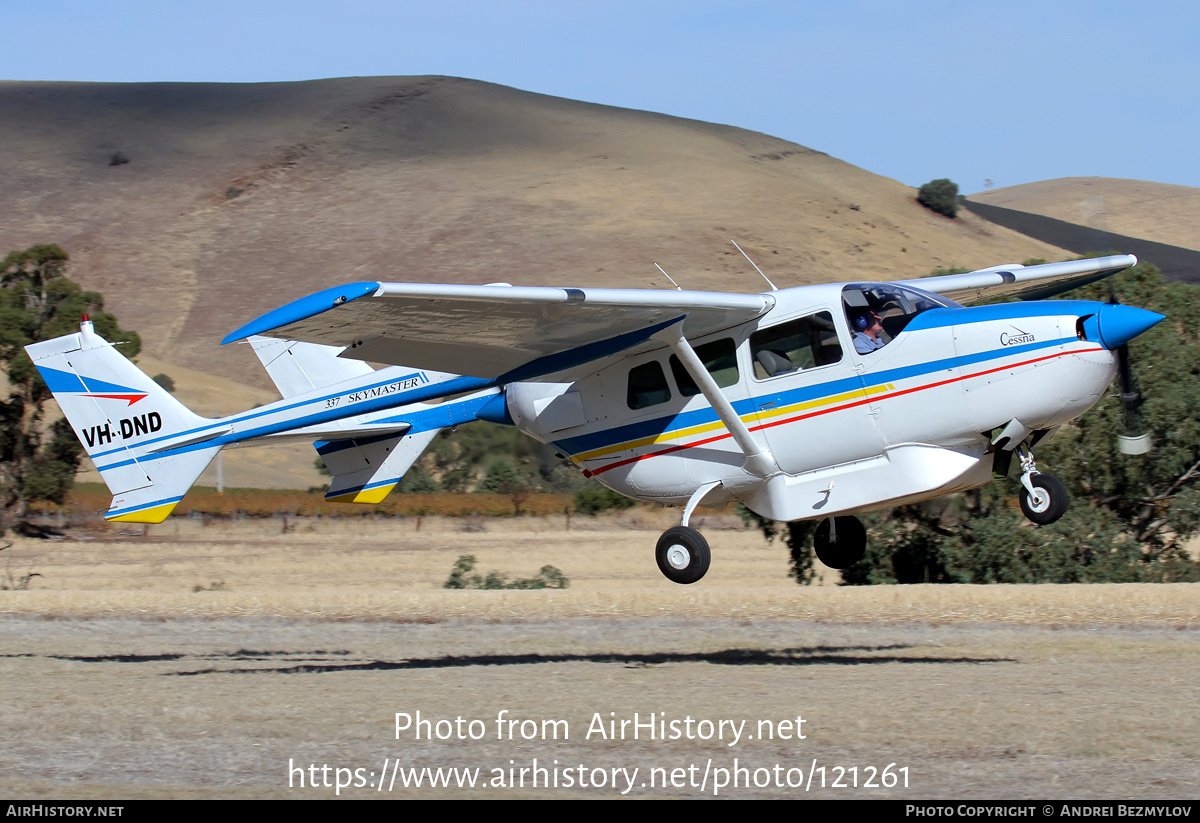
x: 418, y: 480
x: 940, y: 196
x: 505, y: 477
x: 594, y: 498
x: 1130, y: 516
x: 798, y: 539
x: 458, y: 454
x: 38, y: 302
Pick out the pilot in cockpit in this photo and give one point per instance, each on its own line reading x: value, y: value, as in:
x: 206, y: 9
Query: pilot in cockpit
x: 868, y: 328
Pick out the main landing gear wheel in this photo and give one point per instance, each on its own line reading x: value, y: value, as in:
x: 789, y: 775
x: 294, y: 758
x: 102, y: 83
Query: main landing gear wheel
x: 682, y: 554
x: 1048, y: 501
x: 841, y: 543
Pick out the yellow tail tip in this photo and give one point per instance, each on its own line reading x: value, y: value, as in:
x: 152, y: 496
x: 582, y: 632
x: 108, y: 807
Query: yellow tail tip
x: 154, y: 514
x: 368, y: 496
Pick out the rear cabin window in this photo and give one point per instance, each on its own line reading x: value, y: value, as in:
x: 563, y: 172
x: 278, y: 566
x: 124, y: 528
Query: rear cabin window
x: 796, y: 345
x: 719, y: 358
x: 647, y: 386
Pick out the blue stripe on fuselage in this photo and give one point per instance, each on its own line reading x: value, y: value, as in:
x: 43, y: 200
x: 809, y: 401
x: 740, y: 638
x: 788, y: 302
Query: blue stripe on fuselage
x: 939, y: 318
x: 934, y: 318
x: 250, y: 415
x: 140, y: 506
x: 427, y: 392
x: 662, y: 425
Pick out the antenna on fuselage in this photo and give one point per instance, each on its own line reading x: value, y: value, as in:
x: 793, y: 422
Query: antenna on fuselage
x: 664, y: 271
x: 752, y: 263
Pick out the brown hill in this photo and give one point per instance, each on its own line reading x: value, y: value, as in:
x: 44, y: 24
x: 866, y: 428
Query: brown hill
x: 1135, y: 208
x: 238, y: 198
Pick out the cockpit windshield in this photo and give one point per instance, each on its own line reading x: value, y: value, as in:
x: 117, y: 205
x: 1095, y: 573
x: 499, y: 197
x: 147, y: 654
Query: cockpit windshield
x: 877, y: 312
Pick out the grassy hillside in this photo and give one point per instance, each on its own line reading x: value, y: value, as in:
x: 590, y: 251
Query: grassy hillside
x: 236, y: 198
x: 239, y: 197
x: 1136, y: 208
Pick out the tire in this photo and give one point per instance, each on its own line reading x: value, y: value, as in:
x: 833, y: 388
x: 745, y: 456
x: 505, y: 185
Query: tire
x: 851, y: 545
x: 1051, y: 503
x: 682, y: 554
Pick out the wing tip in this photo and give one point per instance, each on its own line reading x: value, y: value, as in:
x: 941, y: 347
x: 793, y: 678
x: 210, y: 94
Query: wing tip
x: 302, y: 309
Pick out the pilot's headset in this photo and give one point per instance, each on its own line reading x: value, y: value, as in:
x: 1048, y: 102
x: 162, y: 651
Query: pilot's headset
x: 862, y: 319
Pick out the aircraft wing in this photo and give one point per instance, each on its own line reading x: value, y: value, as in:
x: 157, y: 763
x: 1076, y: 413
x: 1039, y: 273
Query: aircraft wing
x: 496, y: 332
x: 1024, y: 282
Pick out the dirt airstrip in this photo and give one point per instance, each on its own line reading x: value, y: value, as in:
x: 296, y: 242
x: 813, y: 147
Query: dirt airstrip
x: 232, y: 659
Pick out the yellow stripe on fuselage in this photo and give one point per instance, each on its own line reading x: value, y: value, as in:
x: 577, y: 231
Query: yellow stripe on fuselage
x: 752, y: 417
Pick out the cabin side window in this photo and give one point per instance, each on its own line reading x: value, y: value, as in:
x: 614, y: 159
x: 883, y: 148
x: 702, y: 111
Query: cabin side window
x: 797, y: 345
x: 720, y: 360
x: 647, y: 386
x: 877, y: 312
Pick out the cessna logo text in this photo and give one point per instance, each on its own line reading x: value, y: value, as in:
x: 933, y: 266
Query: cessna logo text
x: 129, y: 426
x: 1017, y: 339
x: 390, y: 388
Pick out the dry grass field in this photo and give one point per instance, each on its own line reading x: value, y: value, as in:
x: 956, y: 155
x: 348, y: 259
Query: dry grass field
x: 200, y: 660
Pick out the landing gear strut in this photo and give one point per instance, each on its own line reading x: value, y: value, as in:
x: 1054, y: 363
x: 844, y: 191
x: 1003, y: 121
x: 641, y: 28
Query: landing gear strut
x: 840, y: 542
x: 1043, y: 498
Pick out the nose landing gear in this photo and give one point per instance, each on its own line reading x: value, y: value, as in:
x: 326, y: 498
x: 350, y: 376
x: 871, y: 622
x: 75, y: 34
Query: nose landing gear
x: 1043, y: 498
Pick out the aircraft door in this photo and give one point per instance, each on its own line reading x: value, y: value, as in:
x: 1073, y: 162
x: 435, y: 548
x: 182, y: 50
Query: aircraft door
x: 807, y: 395
x: 908, y: 378
x: 911, y: 387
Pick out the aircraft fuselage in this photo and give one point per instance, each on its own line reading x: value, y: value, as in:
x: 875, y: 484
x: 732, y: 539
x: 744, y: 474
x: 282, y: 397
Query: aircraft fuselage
x: 847, y: 431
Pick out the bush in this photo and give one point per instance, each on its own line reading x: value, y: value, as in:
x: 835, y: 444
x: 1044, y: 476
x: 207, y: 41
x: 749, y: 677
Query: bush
x: 940, y: 196
x: 594, y: 498
x: 548, y: 577
x: 418, y: 480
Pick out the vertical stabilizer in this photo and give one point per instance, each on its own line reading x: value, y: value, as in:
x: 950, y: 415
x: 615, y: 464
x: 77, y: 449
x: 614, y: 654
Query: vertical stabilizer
x: 297, y: 368
x: 365, y: 470
x: 123, y: 419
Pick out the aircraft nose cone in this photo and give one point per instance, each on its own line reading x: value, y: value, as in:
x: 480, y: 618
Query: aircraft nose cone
x: 1119, y: 324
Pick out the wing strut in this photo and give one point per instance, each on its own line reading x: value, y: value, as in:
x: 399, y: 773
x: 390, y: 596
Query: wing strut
x: 759, y: 460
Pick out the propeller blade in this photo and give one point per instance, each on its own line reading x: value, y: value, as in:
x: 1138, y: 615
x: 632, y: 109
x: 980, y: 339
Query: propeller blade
x: 1135, y: 440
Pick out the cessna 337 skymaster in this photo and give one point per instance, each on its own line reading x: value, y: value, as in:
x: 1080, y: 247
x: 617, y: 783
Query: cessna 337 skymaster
x: 816, y: 402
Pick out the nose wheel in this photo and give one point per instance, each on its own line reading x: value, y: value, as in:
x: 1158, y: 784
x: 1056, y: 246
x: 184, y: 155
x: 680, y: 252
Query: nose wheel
x: 840, y: 542
x: 1043, y: 498
x: 682, y: 554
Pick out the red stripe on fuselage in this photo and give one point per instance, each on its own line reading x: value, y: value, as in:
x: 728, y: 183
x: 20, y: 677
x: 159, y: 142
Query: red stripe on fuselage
x: 844, y: 406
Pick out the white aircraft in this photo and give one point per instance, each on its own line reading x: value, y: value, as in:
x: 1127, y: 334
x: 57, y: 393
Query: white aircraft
x: 816, y: 402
